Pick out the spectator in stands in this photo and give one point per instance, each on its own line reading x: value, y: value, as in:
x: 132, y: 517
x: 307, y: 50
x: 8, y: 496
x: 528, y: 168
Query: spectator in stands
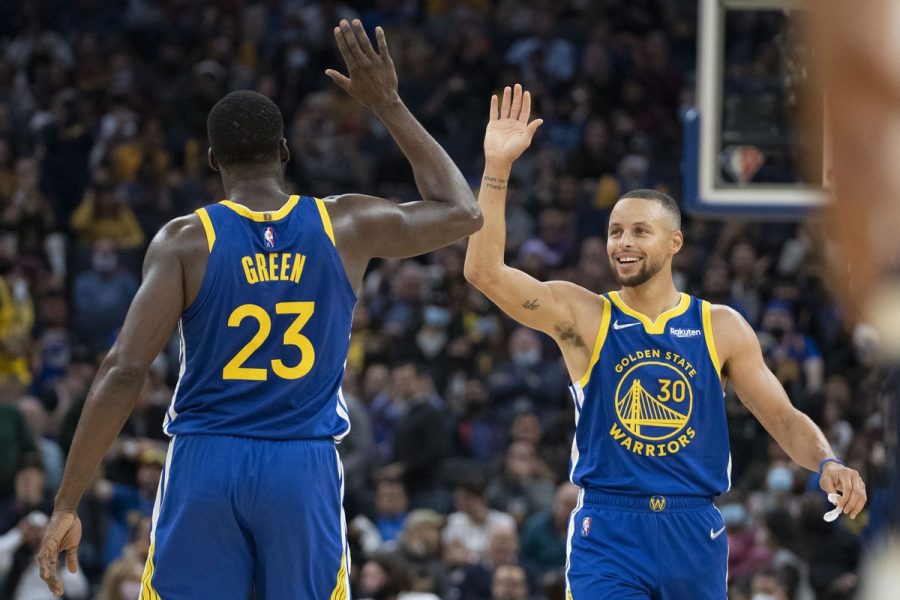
x: 419, y: 444
x: 17, y: 442
x: 545, y: 534
x: 103, y: 214
x: 509, y: 583
x: 101, y: 297
x: 122, y: 580
x: 524, y: 486
x: 468, y: 529
x: 30, y: 494
x: 49, y: 454
x: 420, y: 549
x: 126, y: 504
x: 391, y: 506
x: 16, y: 321
x: 476, y: 581
x: 794, y: 356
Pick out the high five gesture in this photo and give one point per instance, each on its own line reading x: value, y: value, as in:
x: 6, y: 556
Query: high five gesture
x: 508, y: 132
x: 373, y: 79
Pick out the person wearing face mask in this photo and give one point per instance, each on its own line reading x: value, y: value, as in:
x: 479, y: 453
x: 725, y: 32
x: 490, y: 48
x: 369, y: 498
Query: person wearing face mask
x: 431, y: 342
x: 766, y: 586
x: 524, y: 374
x: 795, y: 358
x: 101, y: 296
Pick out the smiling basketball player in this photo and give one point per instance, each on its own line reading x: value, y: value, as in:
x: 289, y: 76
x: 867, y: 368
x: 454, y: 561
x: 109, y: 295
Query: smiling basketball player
x: 648, y: 366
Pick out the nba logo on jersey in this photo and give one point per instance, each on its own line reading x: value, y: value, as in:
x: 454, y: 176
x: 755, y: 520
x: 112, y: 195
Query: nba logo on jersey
x: 585, y: 526
x: 269, y: 237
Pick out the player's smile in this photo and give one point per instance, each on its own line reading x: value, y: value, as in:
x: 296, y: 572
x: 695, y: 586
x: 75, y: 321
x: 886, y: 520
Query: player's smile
x: 627, y: 260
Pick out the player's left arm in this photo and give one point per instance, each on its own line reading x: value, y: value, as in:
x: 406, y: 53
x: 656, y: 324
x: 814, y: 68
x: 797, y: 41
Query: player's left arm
x: 149, y: 324
x: 761, y: 392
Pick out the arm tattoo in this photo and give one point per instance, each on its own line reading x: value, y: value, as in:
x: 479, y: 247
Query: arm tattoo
x: 531, y: 304
x: 494, y: 183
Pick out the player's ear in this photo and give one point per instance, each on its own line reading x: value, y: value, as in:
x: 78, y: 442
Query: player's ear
x: 677, y: 241
x: 213, y: 161
x: 284, y: 153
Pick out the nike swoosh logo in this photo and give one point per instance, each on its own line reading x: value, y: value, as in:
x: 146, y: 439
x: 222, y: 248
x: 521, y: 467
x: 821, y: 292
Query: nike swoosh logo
x: 617, y: 327
x: 714, y: 534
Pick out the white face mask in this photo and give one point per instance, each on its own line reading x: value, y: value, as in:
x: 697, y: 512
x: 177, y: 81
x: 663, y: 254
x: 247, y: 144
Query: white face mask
x: 130, y: 589
x: 527, y: 359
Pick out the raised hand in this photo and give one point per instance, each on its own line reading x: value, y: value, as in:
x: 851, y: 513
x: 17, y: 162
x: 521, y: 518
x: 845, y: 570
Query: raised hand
x: 63, y: 535
x: 373, y: 79
x: 508, y: 132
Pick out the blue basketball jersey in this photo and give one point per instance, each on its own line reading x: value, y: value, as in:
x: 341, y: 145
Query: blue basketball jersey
x: 650, y: 412
x: 264, y: 344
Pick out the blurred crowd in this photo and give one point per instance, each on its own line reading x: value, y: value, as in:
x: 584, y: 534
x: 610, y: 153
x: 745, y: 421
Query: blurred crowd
x: 462, y: 424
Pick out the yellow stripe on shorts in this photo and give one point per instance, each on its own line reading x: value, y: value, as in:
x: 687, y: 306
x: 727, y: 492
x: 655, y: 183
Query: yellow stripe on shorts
x: 147, y: 591
x: 340, y: 588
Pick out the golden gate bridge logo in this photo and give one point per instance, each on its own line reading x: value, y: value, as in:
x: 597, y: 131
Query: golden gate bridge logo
x: 654, y: 414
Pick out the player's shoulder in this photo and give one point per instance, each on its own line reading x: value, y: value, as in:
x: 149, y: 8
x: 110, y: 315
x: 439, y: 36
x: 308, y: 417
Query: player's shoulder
x: 182, y: 236
x: 724, y: 315
x: 731, y: 330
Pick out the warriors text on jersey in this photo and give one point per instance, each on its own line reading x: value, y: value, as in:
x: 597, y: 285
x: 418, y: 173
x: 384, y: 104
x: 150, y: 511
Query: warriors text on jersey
x: 263, y: 345
x: 649, y: 412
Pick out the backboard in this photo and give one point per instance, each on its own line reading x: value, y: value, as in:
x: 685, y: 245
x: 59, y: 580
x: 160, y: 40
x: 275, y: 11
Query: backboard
x: 743, y: 142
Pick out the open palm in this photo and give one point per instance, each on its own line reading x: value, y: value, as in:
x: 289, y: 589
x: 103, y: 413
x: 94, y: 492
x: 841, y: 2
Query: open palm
x: 508, y: 132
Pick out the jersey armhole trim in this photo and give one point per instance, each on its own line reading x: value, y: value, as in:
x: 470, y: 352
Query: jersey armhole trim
x: 207, y: 227
x: 326, y: 220
x: 598, y: 343
x: 708, y: 336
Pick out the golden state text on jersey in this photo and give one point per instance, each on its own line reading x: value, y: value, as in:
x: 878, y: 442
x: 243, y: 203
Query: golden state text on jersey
x: 649, y: 412
x: 263, y: 345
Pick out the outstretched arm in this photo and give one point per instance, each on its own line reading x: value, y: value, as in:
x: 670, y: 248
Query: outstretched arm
x: 149, y: 324
x: 566, y: 312
x: 378, y: 227
x: 763, y: 395
x: 524, y: 298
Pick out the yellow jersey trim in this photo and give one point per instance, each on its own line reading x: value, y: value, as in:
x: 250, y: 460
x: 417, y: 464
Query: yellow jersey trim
x: 326, y: 220
x: 708, y: 335
x: 598, y: 344
x: 653, y: 326
x: 207, y: 227
x: 262, y: 217
x: 147, y: 591
x: 340, y: 588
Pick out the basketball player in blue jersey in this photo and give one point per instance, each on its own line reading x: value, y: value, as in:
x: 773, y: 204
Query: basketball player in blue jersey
x: 261, y: 290
x: 648, y: 366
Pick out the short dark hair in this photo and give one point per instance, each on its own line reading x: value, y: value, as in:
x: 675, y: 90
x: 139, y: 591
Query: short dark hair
x: 661, y: 198
x: 245, y: 127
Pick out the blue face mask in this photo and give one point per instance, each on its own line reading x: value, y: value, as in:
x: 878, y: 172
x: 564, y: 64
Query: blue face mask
x: 436, y: 316
x: 734, y: 514
x: 779, y: 479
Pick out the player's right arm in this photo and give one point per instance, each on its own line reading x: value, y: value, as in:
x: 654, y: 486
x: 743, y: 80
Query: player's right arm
x: 377, y: 227
x: 149, y: 324
x: 563, y: 310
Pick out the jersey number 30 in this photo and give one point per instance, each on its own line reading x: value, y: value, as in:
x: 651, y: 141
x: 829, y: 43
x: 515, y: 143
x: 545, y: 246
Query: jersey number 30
x: 292, y: 337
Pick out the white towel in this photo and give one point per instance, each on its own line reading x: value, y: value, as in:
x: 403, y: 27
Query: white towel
x: 834, y: 513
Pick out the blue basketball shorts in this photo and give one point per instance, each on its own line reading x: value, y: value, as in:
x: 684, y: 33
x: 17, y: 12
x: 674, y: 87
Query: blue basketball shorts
x: 239, y: 516
x: 643, y: 548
